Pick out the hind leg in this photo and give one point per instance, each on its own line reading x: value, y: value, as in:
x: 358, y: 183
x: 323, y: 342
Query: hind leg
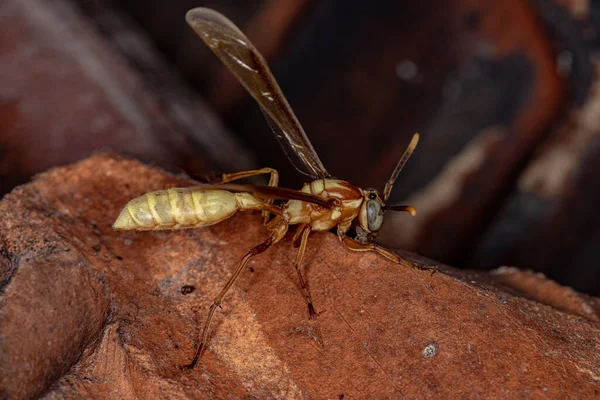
x: 278, y: 228
x: 217, y: 301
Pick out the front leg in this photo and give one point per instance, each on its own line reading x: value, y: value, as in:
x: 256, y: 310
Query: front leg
x: 357, y: 246
x: 354, y: 245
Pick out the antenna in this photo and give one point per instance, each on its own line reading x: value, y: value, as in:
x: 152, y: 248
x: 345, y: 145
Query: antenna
x: 390, y: 183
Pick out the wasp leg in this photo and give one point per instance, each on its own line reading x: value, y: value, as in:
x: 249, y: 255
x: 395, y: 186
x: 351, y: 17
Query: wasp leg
x: 217, y: 302
x: 246, y: 201
x: 303, y: 240
x: 353, y: 245
x: 273, y: 181
x: 298, y: 235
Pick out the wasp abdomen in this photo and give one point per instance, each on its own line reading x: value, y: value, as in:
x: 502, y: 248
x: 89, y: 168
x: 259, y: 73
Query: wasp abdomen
x: 179, y: 208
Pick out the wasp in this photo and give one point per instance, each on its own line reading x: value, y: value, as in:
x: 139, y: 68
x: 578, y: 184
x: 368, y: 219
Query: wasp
x: 322, y: 204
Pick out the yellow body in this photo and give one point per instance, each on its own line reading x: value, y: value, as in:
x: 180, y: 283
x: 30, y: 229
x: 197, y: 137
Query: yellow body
x: 181, y: 208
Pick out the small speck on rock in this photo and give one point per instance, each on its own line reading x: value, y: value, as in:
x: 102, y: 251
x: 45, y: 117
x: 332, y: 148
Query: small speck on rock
x: 187, y: 289
x: 430, y: 350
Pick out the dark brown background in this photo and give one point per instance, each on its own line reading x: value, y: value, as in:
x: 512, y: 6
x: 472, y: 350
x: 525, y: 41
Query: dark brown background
x: 503, y: 94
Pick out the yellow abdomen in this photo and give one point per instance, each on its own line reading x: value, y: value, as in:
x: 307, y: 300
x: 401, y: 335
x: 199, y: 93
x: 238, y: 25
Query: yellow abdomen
x: 181, y: 208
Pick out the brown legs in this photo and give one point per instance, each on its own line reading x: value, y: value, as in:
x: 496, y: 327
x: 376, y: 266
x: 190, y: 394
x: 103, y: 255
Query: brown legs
x: 278, y: 228
x: 357, y: 246
x: 302, y: 235
x: 273, y: 179
x: 217, y: 302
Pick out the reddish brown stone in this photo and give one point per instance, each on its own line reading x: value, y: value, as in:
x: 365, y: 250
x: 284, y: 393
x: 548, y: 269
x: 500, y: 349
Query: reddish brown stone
x: 89, y: 312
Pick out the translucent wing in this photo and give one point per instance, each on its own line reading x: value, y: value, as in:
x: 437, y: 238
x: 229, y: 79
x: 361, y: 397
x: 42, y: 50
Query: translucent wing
x: 241, y: 57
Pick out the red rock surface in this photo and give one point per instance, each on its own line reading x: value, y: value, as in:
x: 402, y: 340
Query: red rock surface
x: 89, y: 312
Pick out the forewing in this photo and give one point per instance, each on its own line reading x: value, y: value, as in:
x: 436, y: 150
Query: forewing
x: 241, y: 57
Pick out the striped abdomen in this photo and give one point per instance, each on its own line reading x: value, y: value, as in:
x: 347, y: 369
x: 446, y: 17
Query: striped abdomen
x: 181, y: 208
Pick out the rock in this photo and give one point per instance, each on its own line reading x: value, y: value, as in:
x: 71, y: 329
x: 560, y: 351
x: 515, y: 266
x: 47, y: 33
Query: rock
x: 89, y: 312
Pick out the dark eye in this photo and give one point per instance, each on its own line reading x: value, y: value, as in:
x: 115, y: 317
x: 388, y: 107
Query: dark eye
x: 372, y: 196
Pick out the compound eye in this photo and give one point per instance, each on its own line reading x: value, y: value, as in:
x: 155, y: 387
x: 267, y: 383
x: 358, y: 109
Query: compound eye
x: 374, y: 215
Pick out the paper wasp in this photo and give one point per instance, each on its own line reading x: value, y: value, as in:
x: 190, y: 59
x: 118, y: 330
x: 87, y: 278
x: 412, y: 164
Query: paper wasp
x: 321, y: 205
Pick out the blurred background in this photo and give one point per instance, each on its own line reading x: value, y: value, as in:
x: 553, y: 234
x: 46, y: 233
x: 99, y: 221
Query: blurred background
x: 504, y: 94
